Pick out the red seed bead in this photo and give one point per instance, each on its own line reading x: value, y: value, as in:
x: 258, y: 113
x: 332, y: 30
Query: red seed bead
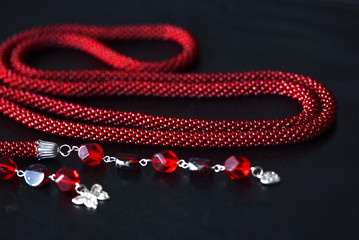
x: 237, y: 167
x: 165, y: 161
x: 91, y: 154
x: 7, y: 168
x: 67, y: 179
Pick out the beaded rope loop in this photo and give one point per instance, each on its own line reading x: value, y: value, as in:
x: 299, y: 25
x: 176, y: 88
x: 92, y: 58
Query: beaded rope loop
x: 27, y: 94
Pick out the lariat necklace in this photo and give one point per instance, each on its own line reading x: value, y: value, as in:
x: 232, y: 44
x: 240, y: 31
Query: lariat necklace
x: 28, y: 95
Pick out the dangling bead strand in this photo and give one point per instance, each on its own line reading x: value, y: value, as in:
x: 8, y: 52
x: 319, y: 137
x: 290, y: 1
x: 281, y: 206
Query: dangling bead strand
x: 67, y: 180
x: 236, y: 167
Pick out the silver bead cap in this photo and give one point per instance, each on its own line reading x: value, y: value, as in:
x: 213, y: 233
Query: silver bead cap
x: 47, y: 150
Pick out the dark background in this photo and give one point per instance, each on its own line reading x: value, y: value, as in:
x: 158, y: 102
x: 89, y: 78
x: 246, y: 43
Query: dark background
x: 318, y: 198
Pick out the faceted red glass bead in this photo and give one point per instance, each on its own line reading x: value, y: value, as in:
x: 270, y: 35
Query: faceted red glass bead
x: 7, y: 168
x: 91, y: 154
x: 66, y: 179
x: 165, y: 161
x: 237, y: 167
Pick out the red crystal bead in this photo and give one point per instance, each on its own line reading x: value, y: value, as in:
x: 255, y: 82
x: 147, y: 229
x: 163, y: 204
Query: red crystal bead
x: 237, y: 167
x: 67, y: 179
x: 91, y: 154
x: 7, y: 168
x: 165, y: 161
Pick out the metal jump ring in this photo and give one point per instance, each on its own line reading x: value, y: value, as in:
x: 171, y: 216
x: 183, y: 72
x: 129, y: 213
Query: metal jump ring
x: 65, y: 154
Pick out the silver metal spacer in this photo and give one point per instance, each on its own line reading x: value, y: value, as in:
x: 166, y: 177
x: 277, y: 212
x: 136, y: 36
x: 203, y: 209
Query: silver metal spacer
x: 47, y: 150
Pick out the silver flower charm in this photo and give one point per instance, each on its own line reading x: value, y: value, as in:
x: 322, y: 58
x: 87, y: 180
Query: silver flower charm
x: 89, y: 197
x: 266, y: 178
x: 270, y: 177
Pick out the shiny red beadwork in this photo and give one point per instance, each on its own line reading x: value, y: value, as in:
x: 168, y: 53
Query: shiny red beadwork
x: 91, y: 154
x: 237, y: 167
x: 165, y: 161
x: 28, y: 95
x: 67, y: 179
x: 7, y: 168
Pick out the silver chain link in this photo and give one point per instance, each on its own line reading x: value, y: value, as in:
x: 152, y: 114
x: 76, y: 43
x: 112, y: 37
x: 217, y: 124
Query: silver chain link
x: 20, y: 173
x: 69, y: 149
x: 183, y: 164
x: 144, y: 162
x: 52, y: 177
x: 257, y: 172
x: 218, y: 168
x: 109, y: 159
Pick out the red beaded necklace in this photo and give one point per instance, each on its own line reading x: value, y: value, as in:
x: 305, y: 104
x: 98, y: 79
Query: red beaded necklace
x: 27, y: 94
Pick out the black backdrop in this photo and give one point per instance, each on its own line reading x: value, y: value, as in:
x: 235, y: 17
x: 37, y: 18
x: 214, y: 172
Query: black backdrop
x: 319, y: 194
